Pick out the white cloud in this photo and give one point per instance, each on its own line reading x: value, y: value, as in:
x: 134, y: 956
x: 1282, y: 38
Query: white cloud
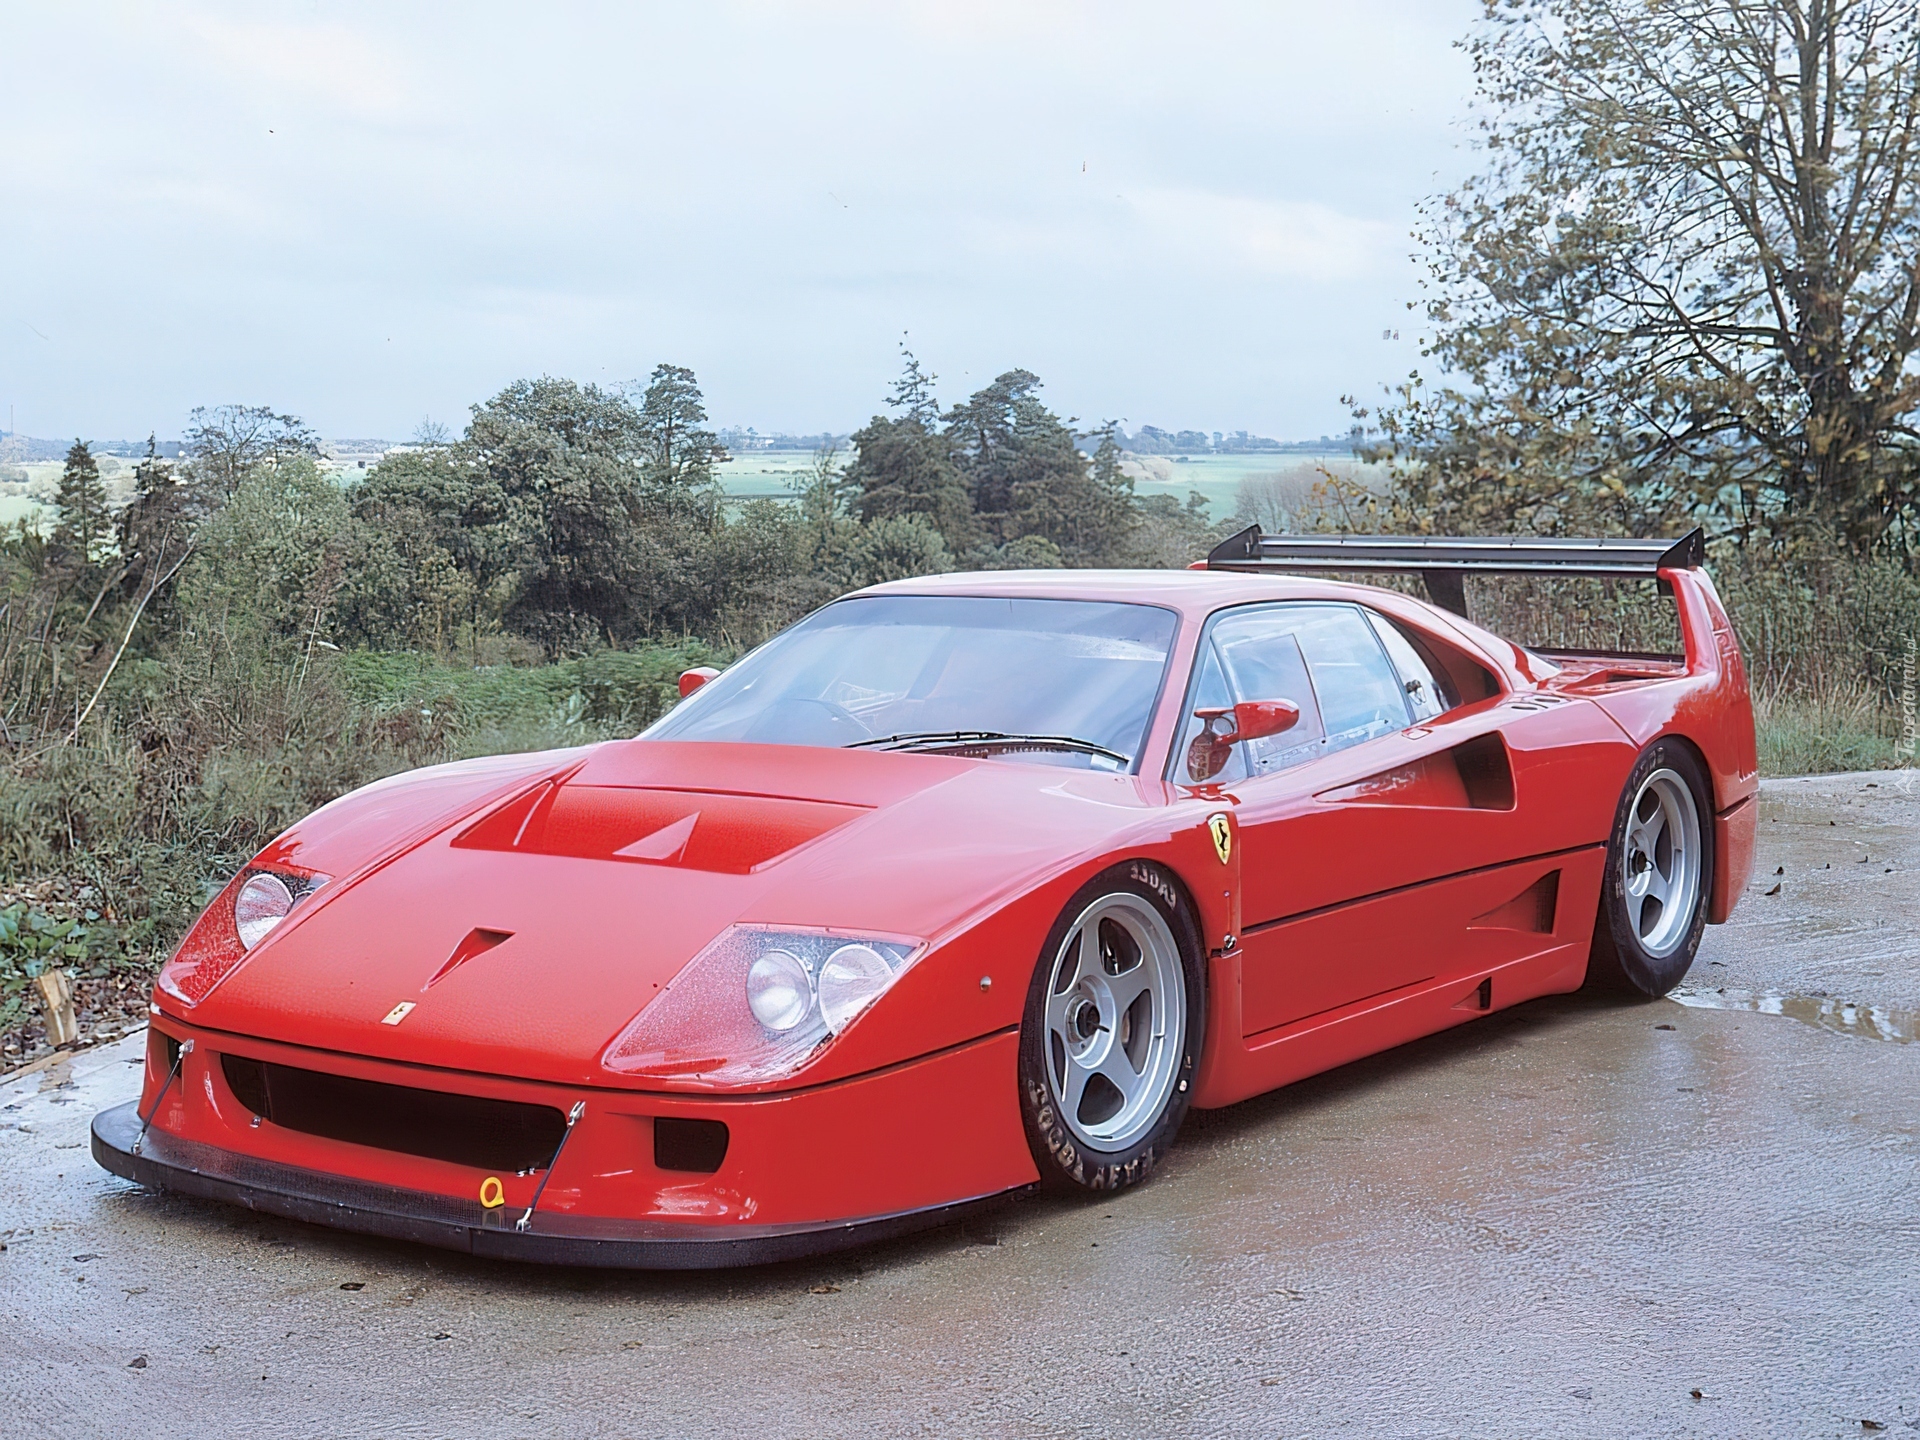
x: 1292, y: 239
x: 337, y: 66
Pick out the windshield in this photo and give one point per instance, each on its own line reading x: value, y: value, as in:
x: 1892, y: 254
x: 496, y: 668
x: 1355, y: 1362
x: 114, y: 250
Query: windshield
x: 1067, y: 682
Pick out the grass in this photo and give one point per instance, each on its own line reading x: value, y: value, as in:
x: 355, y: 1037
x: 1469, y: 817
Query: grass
x: 775, y: 473
x: 1823, y: 734
x: 496, y: 709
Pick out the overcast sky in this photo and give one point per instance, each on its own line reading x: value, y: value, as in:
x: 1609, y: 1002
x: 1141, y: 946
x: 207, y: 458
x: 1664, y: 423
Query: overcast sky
x: 1189, y: 215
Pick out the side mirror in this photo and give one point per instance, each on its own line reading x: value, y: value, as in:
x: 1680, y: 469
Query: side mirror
x: 692, y: 680
x: 1228, y: 726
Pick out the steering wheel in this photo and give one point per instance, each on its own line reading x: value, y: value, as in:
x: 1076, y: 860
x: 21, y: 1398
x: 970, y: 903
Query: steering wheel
x: 773, y: 722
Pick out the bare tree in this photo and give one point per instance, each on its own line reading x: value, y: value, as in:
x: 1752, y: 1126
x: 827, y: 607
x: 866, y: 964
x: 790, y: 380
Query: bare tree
x: 226, y: 442
x: 1686, y: 284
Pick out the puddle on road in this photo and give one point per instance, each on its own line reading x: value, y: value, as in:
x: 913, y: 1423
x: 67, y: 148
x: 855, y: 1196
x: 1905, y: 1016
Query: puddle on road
x: 1843, y: 1017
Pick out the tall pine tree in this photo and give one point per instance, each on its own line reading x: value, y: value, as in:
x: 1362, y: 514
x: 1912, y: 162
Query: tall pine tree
x: 903, y: 465
x: 155, y: 526
x: 84, y: 527
x: 680, y: 451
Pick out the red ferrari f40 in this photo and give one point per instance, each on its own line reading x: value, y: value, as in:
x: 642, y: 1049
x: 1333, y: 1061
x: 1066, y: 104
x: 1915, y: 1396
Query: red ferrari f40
x: 959, y: 886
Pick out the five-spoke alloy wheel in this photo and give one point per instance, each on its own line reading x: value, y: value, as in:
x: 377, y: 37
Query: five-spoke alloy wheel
x: 1661, y: 862
x: 1112, y: 1031
x: 1653, y: 901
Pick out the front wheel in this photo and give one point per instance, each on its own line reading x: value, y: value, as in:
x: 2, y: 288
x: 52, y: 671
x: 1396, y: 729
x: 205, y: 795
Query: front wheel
x: 1112, y: 1031
x: 1653, y: 901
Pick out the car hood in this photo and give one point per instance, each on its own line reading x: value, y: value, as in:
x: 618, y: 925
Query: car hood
x: 529, y: 911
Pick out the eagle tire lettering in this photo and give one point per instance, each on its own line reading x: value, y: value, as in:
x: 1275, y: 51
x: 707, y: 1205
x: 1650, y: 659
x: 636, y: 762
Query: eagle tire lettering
x: 1155, y: 879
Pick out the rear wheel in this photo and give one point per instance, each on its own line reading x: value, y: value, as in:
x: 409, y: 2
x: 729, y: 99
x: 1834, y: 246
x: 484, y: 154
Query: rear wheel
x: 1653, y: 902
x: 1112, y: 1031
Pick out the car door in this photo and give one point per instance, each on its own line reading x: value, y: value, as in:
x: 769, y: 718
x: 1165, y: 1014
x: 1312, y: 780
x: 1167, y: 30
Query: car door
x: 1344, y: 820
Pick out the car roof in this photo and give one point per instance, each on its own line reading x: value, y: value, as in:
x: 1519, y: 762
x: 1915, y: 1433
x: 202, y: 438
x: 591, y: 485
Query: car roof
x: 1196, y: 594
x: 1192, y: 592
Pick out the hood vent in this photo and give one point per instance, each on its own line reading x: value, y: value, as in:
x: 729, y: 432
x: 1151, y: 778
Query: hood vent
x: 692, y: 829
x: 478, y: 942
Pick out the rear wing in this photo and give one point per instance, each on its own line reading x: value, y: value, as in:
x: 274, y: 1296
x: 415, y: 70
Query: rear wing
x: 1443, y: 562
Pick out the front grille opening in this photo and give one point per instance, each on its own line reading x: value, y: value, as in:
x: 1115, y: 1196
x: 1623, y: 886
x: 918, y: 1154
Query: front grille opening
x: 464, y: 1129
x: 696, y: 1145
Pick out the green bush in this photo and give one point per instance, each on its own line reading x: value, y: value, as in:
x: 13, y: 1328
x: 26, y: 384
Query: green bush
x: 204, y: 756
x: 491, y: 709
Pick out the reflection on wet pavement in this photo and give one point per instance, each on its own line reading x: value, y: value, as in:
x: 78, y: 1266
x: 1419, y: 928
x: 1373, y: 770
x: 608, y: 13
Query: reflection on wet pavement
x: 1833, y: 908
x: 1843, y: 1017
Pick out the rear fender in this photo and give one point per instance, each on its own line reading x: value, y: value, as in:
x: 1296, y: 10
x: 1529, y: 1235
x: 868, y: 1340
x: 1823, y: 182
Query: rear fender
x: 1708, y: 706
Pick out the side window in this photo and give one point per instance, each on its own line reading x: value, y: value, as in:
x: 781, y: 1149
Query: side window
x: 1360, y: 695
x: 1251, y: 654
x: 1325, y: 658
x: 1426, y: 692
x: 1261, y: 652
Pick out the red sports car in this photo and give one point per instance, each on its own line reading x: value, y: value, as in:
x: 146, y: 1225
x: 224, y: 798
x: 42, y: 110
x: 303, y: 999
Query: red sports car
x: 960, y: 885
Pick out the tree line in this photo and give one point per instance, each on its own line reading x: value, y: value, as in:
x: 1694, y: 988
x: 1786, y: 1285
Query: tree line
x: 564, y: 518
x: 572, y: 516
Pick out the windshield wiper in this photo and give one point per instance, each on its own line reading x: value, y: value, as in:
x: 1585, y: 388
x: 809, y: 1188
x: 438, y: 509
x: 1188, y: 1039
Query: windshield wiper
x: 949, y: 739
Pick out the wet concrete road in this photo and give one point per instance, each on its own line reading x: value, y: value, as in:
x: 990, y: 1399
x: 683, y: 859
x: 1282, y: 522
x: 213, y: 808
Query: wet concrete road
x: 1570, y: 1219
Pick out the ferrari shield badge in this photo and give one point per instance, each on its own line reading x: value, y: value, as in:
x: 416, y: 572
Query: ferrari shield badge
x: 399, y: 1013
x: 1221, y: 828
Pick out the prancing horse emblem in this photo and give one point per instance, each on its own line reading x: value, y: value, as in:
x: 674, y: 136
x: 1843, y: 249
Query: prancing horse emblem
x: 1221, y: 829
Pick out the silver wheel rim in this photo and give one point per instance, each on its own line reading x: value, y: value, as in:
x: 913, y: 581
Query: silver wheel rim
x: 1116, y: 1021
x: 1660, y: 863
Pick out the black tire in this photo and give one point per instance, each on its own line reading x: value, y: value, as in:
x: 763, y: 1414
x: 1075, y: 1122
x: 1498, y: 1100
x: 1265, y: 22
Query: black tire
x: 1068, y: 1158
x: 1621, y: 963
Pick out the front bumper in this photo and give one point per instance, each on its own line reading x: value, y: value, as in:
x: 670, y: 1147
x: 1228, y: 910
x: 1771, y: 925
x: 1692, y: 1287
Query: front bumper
x: 170, y: 1162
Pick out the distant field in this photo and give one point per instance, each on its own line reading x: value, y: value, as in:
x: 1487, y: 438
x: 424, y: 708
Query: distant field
x: 42, y: 475
x: 776, y: 474
x: 19, y: 507
x: 1218, y: 477
x: 780, y: 474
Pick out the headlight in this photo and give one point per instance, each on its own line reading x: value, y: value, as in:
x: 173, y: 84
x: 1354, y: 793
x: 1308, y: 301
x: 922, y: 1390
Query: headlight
x: 240, y: 917
x: 263, y: 902
x: 759, y: 1002
x: 851, y: 980
x: 779, y: 991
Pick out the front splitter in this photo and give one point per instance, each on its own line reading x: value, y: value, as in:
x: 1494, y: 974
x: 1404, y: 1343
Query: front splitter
x: 167, y: 1162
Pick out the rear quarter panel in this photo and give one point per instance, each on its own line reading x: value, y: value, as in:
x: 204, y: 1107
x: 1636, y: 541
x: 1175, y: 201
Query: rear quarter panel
x: 1711, y: 708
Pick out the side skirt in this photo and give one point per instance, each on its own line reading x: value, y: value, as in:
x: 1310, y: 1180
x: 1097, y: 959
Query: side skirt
x: 1306, y: 1047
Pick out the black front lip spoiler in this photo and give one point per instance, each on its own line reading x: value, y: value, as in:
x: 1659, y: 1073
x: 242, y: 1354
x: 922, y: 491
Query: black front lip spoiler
x: 168, y: 1162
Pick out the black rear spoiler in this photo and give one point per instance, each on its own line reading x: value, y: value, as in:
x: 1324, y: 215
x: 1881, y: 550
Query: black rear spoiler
x: 1444, y: 561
